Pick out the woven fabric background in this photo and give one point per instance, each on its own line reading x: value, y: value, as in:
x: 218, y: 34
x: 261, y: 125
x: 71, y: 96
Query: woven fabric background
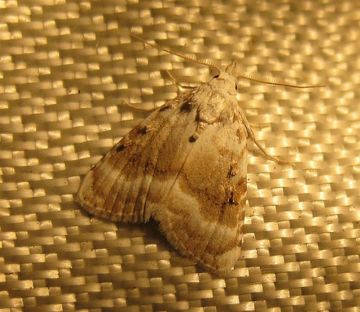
x: 66, y: 69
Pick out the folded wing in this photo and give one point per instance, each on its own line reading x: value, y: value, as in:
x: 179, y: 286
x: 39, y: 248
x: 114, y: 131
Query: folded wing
x: 195, y: 189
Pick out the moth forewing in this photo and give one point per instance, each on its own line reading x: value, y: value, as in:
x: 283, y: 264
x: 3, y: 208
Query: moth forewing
x: 187, y: 171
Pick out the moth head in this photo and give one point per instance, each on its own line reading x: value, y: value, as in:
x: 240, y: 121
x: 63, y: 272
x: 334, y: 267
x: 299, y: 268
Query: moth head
x: 225, y: 81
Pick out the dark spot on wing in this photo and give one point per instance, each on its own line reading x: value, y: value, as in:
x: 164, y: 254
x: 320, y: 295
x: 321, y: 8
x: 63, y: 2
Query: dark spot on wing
x: 186, y: 106
x: 193, y: 138
x: 232, y: 199
x: 165, y: 107
x: 144, y: 129
x: 234, y: 168
x: 120, y: 148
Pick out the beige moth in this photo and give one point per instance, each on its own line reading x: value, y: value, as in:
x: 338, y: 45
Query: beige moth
x: 185, y: 166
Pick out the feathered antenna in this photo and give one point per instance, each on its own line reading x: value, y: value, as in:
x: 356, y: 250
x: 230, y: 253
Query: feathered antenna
x: 185, y: 57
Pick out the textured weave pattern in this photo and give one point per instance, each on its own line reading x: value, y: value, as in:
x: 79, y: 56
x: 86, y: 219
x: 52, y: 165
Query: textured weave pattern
x: 66, y: 68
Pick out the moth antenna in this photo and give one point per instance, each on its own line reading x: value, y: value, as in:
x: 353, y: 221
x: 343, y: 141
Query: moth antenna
x: 185, y: 57
x: 232, y: 69
x: 278, y: 83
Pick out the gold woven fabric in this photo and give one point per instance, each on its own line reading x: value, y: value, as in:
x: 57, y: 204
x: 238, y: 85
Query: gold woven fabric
x: 66, y: 69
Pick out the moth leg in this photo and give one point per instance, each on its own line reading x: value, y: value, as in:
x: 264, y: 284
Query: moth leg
x: 260, y: 147
x: 177, y: 83
x: 257, y: 126
x: 139, y: 108
x: 264, y: 152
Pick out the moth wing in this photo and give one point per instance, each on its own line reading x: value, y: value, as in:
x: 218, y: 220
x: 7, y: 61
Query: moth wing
x: 195, y: 190
x: 202, y: 215
x: 123, y: 185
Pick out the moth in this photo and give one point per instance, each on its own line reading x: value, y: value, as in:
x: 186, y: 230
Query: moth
x: 185, y: 166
